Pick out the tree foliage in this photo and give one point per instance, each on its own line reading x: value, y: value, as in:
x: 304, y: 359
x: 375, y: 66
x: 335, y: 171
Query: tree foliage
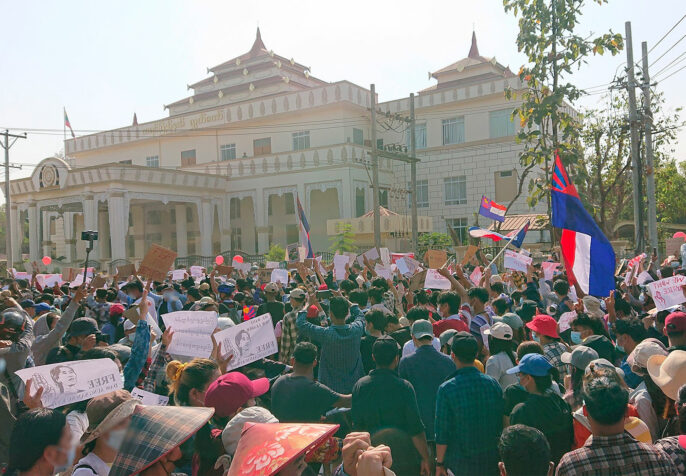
x: 275, y: 253
x: 433, y: 241
x: 547, y: 36
x: 344, y: 240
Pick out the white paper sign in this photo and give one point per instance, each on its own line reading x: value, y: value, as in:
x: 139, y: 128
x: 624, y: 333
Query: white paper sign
x: 385, y: 256
x: 280, y: 276
x: 248, y: 341
x: 565, y: 321
x: 516, y: 261
x: 49, y: 280
x: 149, y: 398
x: 667, y: 292
x: 70, y: 382
x: 339, y: 262
x: 178, y: 274
x: 476, y: 275
x: 383, y: 271
x: 434, y: 280
x: 245, y: 267
x: 549, y: 269
x: 644, y: 277
x: 197, y: 272
x: 371, y: 255
x: 192, y: 332
x: 78, y: 281
x: 402, y: 266
x: 271, y: 265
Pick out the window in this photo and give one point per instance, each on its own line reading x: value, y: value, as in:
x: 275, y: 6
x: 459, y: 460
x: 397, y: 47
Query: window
x: 292, y: 234
x: 271, y: 235
x: 130, y: 219
x: 419, y: 137
x: 290, y: 205
x: 152, y: 161
x: 301, y: 140
x: 460, y: 227
x: 453, y: 131
x: 262, y: 146
x: 455, y: 190
x: 383, y: 198
x: 506, y: 185
x: 153, y: 217
x: 360, y: 206
x: 358, y: 136
x: 422, y: 194
x: 228, y: 151
x: 269, y: 206
x: 172, y: 216
x: 187, y: 157
x: 126, y: 162
x: 379, y: 144
x: 501, y: 123
x: 153, y: 238
x: 189, y: 214
x: 235, y: 208
x: 236, y: 239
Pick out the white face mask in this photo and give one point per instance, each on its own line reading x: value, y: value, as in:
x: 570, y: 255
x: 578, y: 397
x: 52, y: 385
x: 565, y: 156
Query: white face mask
x: 116, y: 438
x: 131, y: 337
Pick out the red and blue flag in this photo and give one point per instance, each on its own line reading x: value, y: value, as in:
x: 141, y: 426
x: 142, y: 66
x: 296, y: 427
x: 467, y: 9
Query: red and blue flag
x: 304, y: 230
x: 492, y: 210
x: 588, y: 254
x: 516, y: 236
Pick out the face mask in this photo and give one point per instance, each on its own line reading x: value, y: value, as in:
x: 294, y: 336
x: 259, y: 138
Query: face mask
x: 116, y: 438
x: 576, y: 337
x: 3, y: 366
x: 535, y: 337
x: 71, y: 454
x: 131, y: 337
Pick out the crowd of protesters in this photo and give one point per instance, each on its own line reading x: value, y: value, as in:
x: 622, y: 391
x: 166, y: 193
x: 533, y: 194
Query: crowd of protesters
x: 513, y: 374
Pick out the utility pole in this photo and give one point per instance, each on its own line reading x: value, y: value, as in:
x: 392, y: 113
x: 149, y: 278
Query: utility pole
x: 375, y: 173
x: 633, y: 124
x: 413, y: 174
x: 649, y: 168
x: 8, y: 210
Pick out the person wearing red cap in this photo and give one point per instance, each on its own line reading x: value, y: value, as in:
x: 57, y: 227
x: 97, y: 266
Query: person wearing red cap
x: 544, y: 331
x: 675, y: 330
x: 114, y: 324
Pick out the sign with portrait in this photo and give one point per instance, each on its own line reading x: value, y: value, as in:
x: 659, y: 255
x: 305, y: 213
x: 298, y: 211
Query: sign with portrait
x: 248, y: 341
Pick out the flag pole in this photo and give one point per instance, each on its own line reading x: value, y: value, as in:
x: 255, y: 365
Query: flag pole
x: 504, y: 247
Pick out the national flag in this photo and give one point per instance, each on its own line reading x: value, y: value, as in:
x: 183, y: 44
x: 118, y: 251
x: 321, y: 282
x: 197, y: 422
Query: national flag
x: 588, y: 254
x: 304, y: 230
x: 492, y: 210
x: 68, y: 124
x: 516, y: 236
x: 249, y: 312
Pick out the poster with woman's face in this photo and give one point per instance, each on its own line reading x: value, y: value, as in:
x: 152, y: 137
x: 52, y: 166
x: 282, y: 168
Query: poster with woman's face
x: 248, y: 341
x: 70, y: 382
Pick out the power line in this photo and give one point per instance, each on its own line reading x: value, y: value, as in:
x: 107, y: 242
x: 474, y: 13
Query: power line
x: 673, y: 73
x: 671, y: 63
x: 668, y: 50
x: 665, y: 35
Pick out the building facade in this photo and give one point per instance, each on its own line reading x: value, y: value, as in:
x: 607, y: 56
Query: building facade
x: 225, y: 169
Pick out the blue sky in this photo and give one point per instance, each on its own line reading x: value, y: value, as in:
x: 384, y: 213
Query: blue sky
x: 103, y: 61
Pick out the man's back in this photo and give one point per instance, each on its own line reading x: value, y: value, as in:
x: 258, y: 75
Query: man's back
x: 616, y: 455
x: 426, y: 370
x: 300, y: 399
x: 469, y: 409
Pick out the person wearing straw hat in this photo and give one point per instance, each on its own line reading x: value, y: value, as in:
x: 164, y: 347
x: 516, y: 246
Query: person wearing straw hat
x: 675, y: 446
x: 108, y: 416
x: 151, y: 444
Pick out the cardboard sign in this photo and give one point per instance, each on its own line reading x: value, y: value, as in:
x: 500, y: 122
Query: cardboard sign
x: 549, y: 269
x: 279, y: 276
x: 69, y: 274
x: 565, y: 321
x: 192, y: 332
x: 157, y: 263
x: 471, y: 251
x: 434, y: 280
x: 125, y: 271
x: 248, y: 341
x: 224, y: 270
x: 435, y: 258
x: 476, y: 275
x: 417, y: 281
x: 339, y: 263
x: 668, y: 292
x: 516, y: 261
x: 149, y: 398
x: 98, y: 282
x: 75, y: 381
x: 265, y: 275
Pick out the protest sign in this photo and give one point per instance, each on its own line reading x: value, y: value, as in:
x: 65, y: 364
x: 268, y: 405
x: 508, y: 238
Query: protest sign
x: 126, y: 270
x: 271, y: 264
x: 644, y: 277
x: 339, y: 263
x: 224, y: 270
x: 149, y: 398
x: 98, y: 282
x: 78, y: 281
x: 476, y: 275
x: 178, y: 275
x: 402, y: 266
x: 371, y: 254
x: 383, y: 271
x: 351, y: 256
x: 292, y: 253
x: 516, y: 261
x: 49, y: 280
x: 417, y: 281
x: 244, y: 267
x: 264, y: 274
x: 435, y: 258
x: 197, y: 272
x: 668, y: 292
x: 68, y: 274
x: 565, y: 321
x: 70, y: 382
x: 22, y: 275
x: 549, y: 269
x: 471, y: 251
x: 385, y: 256
x: 279, y: 276
x: 157, y: 263
x: 248, y: 341
x: 192, y: 332
x: 434, y: 280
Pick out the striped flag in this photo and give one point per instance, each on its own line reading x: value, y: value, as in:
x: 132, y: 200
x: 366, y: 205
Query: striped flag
x: 68, y: 124
x: 589, y: 257
x: 492, y: 210
x: 304, y: 230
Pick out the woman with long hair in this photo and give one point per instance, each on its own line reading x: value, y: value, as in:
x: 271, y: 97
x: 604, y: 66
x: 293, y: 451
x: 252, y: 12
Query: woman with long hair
x: 502, y: 350
x: 189, y: 381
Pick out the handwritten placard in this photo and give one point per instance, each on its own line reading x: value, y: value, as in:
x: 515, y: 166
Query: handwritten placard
x: 49, y: 280
x: 549, y: 269
x: 126, y: 270
x: 178, y: 275
x: 192, y: 332
x: 68, y: 274
x: 157, y: 263
x: 279, y: 276
x: 371, y: 254
x: 417, y: 281
x: 248, y: 341
x: 435, y: 258
x: 197, y: 271
x: 668, y: 292
x: 271, y: 264
x: 402, y: 266
x: 475, y: 276
x: 383, y: 271
x: 98, y: 282
x: 516, y: 261
x: 434, y: 280
x: 385, y: 255
x: 471, y: 251
x: 149, y: 398
x: 75, y: 381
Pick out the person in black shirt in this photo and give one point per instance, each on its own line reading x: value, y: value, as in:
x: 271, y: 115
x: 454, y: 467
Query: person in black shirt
x: 403, y: 334
x: 272, y: 306
x: 376, y: 323
x: 544, y: 409
x: 384, y: 400
x: 297, y: 397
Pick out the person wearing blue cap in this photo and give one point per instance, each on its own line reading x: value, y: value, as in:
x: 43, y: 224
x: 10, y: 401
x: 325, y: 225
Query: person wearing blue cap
x: 543, y: 409
x: 29, y: 306
x: 41, y: 308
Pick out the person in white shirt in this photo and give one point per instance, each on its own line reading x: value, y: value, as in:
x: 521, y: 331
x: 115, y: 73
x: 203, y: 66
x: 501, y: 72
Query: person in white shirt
x: 502, y: 357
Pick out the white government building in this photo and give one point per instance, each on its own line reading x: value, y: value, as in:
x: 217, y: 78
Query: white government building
x: 222, y: 172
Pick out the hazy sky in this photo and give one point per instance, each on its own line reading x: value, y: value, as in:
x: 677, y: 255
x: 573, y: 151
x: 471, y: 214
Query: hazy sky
x: 103, y: 61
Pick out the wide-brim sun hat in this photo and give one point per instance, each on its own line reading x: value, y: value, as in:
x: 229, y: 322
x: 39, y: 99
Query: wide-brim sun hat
x: 124, y: 406
x: 668, y: 372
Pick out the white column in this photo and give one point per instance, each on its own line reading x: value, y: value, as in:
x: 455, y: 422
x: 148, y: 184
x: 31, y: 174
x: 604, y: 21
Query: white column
x: 17, y: 233
x: 119, y: 224
x: 224, y: 224
x: 34, y: 232
x: 181, y: 231
x: 261, y: 222
x: 138, y: 213
x: 90, y: 221
x: 69, y: 241
x: 205, y: 226
x: 46, y: 222
x: 347, y: 197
